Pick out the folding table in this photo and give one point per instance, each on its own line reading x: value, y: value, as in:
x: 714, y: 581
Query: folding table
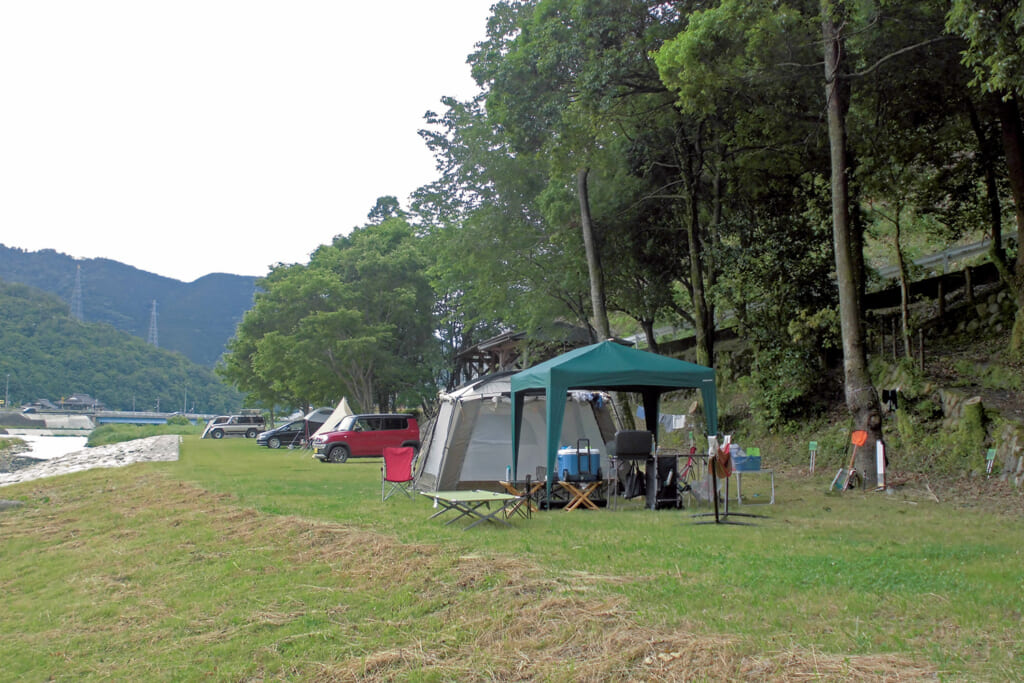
x: 473, y: 504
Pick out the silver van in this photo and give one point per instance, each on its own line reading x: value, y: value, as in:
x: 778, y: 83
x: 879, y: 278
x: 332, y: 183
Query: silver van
x: 234, y: 425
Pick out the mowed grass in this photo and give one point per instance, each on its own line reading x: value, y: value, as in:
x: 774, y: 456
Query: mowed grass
x: 241, y: 563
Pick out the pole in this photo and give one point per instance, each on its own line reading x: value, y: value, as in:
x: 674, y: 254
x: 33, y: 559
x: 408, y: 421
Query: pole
x: 7, y: 385
x: 880, y: 463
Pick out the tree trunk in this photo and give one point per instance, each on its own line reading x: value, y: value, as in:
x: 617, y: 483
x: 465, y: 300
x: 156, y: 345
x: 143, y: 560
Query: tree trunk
x: 904, y: 289
x: 987, y: 157
x: 703, y: 331
x: 1013, y: 149
x: 597, y: 298
x: 861, y: 397
x: 648, y: 328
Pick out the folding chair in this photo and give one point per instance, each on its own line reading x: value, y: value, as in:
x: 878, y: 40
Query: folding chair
x: 396, y: 474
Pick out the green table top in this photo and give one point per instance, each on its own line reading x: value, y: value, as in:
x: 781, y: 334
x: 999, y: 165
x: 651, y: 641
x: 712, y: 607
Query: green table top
x: 469, y: 496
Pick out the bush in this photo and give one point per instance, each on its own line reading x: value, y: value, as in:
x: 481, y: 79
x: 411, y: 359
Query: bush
x: 786, y: 382
x: 117, y: 433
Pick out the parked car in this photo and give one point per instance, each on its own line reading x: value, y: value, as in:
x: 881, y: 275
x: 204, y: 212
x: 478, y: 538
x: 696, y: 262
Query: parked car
x: 234, y: 425
x: 290, y: 434
x: 360, y: 436
x: 320, y: 414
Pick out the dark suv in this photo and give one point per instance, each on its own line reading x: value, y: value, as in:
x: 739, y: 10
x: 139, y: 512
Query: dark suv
x: 290, y: 434
x: 360, y: 436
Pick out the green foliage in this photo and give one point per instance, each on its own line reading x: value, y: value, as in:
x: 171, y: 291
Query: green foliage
x: 726, y: 52
x: 994, y: 32
x: 785, y: 381
x: 8, y: 441
x: 989, y: 375
x: 47, y: 354
x: 357, y: 321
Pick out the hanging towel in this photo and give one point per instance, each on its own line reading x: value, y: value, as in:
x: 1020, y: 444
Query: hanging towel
x: 673, y: 422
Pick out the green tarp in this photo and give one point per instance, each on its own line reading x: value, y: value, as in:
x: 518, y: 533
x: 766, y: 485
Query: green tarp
x: 607, y: 366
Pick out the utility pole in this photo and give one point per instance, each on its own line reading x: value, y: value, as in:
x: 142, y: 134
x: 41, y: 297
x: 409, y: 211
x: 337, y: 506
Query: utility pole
x: 152, y: 339
x: 76, y: 296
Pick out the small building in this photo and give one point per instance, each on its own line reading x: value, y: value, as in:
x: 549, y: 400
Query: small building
x: 81, y: 403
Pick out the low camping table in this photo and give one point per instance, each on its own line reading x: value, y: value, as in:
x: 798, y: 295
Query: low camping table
x: 473, y: 504
x: 524, y: 491
x: 580, y: 496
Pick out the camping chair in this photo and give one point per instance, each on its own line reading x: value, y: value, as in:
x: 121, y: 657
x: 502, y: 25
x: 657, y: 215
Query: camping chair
x: 396, y: 474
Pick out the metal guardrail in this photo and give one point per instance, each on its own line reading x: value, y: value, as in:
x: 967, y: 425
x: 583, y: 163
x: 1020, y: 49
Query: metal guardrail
x: 945, y: 258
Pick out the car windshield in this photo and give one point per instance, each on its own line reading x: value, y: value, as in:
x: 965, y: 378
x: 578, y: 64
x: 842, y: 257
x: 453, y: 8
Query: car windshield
x: 347, y: 424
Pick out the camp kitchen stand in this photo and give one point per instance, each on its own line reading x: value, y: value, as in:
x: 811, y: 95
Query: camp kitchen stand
x: 635, y: 448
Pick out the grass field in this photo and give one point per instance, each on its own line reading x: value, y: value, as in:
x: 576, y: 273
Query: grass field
x: 239, y: 563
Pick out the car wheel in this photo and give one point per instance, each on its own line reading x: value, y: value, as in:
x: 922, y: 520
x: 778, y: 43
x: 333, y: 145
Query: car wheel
x: 251, y: 433
x: 217, y: 433
x: 337, y: 454
x: 273, y: 442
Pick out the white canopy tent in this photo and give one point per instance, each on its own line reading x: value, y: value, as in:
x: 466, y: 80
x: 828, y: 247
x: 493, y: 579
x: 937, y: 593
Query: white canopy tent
x: 468, y: 445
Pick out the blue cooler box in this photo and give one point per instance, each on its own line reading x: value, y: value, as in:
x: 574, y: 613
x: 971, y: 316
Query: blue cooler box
x: 578, y: 464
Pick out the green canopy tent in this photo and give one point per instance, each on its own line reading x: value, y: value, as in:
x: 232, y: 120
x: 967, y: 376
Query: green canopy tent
x: 607, y: 366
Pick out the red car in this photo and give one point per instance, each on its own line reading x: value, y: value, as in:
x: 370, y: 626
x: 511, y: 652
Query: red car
x: 360, y: 436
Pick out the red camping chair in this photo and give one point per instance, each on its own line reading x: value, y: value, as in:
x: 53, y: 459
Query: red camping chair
x: 396, y: 475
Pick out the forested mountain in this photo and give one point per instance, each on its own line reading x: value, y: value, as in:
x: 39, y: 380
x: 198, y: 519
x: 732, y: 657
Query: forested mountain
x: 196, y: 318
x: 45, y: 353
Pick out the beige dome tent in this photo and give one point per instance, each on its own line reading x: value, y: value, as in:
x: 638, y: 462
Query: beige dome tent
x: 468, y: 445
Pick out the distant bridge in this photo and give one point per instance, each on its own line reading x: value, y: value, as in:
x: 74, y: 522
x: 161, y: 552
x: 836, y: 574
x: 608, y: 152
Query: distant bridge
x: 143, y: 418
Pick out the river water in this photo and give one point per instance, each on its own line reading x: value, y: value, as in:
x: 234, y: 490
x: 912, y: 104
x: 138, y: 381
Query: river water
x: 45, y: 447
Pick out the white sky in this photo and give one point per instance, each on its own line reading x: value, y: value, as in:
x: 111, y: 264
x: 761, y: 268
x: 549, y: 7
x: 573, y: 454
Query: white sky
x: 186, y: 137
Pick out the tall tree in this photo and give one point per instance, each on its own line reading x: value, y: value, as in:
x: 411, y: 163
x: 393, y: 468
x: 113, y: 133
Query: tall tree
x: 356, y: 321
x: 861, y: 397
x: 739, y: 69
x: 498, y: 263
x: 994, y: 32
x: 574, y: 83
